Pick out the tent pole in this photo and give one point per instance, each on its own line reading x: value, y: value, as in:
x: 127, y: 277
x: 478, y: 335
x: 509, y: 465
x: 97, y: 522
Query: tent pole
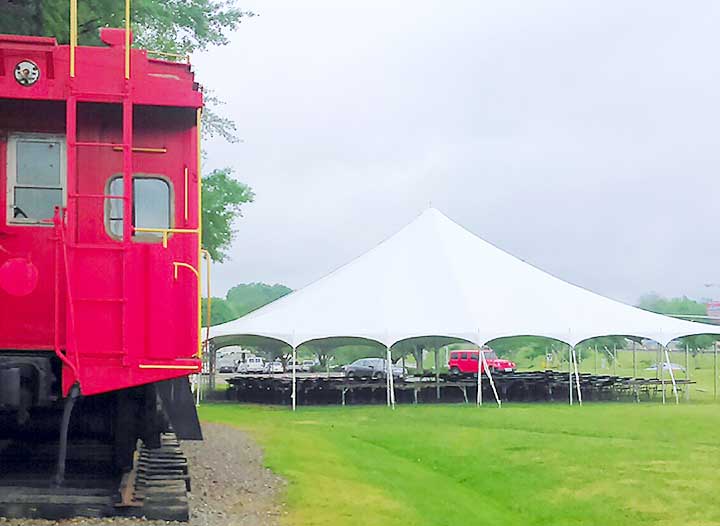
x: 570, y: 376
x: 294, y: 378
x: 479, y: 377
x: 687, y: 373
x: 715, y: 370
x: 596, y: 359
x: 577, y: 376
x: 492, y: 382
x: 387, y: 376
x: 614, y: 359
x: 634, y: 359
x: 437, y: 373
x: 391, y: 383
x: 672, y: 375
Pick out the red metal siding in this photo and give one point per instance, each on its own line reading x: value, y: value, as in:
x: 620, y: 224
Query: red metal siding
x: 125, y: 319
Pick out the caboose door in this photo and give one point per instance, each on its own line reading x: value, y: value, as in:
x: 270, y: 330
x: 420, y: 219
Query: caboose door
x: 130, y: 293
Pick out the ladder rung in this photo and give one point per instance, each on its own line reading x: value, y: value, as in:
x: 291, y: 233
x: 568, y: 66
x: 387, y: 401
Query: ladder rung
x: 96, y: 196
x: 101, y: 300
x: 141, y: 149
x: 98, y: 144
x: 87, y: 246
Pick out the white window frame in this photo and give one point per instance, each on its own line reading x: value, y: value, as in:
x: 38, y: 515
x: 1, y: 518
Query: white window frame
x: 12, y: 183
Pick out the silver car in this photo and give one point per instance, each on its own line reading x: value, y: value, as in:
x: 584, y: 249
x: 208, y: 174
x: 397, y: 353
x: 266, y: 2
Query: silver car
x: 374, y: 368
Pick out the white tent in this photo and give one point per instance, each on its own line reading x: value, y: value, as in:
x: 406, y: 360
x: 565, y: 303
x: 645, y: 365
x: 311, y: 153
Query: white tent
x: 435, y: 278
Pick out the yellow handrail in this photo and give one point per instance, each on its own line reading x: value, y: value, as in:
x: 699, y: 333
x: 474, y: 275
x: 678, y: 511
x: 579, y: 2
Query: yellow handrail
x: 208, y: 305
x: 73, y: 35
x: 178, y: 264
x: 185, y: 192
x: 166, y: 232
x: 199, y: 225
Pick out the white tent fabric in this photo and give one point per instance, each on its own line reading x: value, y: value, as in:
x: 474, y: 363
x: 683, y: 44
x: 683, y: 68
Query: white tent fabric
x: 435, y: 278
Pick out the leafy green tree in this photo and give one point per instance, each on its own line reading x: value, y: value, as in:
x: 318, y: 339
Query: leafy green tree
x: 679, y: 306
x: 222, y: 198
x: 220, y: 311
x: 242, y: 299
x: 661, y: 305
x: 174, y: 26
x: 250, y: 296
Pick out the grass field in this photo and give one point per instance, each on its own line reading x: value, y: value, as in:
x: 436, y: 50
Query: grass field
x: 605, y: 464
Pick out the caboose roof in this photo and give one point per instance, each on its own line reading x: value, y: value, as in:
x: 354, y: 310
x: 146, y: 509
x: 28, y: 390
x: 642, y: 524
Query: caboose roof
x: 100, y: 72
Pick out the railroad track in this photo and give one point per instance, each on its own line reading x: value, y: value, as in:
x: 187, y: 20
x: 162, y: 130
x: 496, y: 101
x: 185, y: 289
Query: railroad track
x: 157, y: 488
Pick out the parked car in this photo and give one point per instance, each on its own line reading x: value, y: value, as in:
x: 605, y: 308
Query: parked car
x: 254, y: 364
x: 666, y: 367
x: 292, y: 365
x: 274, y: 367
x: 227, y: 368
x: 375, y: 368
x: 307, y: 365
x: 466, y: 362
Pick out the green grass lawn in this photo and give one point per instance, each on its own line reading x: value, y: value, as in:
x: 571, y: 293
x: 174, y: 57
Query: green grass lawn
x: 544, y: 464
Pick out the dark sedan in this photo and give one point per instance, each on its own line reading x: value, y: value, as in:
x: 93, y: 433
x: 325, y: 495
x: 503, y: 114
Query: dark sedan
x: 375, y: 368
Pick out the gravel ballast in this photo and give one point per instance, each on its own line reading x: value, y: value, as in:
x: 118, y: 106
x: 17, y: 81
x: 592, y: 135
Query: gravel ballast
x: 230, y: 486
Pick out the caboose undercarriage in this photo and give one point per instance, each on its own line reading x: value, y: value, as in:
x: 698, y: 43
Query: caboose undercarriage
x: 63, y: 457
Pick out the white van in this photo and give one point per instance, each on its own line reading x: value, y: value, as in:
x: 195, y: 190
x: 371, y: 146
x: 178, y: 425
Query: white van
x: 254, y: 364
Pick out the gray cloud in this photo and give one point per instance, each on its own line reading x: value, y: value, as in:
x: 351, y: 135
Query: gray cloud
x: 579, y: 136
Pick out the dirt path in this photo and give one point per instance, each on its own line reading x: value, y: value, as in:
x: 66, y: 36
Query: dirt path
x: 230, y: 486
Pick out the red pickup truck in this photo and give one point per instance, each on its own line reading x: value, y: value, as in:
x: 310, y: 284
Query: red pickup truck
x: 466, y: 362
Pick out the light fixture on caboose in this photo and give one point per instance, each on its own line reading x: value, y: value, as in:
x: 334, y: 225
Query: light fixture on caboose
x: 27, y: 73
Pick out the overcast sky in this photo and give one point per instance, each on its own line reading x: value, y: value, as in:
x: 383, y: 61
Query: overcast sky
x: 579, y: 135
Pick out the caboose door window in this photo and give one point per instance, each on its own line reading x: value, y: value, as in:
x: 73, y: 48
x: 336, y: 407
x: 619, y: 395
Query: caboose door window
x: 35, y: 177
x: 152, y: 206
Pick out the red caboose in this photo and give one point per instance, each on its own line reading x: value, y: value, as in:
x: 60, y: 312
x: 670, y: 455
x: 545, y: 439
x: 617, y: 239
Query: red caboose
x: 99, y: 240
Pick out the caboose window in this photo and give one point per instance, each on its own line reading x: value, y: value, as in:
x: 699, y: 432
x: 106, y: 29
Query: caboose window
x: 36, y: 177
x: 151, y: 205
